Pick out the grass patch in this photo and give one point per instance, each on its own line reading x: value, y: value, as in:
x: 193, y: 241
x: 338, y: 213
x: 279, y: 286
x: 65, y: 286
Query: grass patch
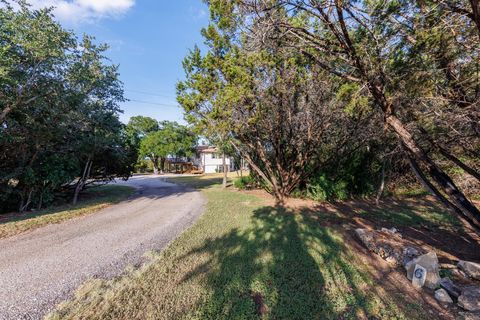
x: 245, y: 260
x: 405, y: 216
x: 198, y: 182
x: 417, y: 191
x: 91, y: 200
x: 204, y: 180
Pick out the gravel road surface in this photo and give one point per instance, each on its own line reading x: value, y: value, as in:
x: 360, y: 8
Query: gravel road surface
x: 39, y: 269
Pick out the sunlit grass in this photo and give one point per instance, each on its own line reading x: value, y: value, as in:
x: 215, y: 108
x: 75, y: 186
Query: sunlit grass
x: 244, y: 259
x: 204, y: 180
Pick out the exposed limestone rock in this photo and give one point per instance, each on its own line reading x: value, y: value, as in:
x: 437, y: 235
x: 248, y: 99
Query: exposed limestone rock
x: 392, y: 231
x: 430, y: 262
x: 470, y: 298
x: 458, y: 273
x: 471, y: 269
x: 388, y: 244
x: 471, y: 315
x: 409, y: 253
x: 442, y: 296
x: 453, y: 290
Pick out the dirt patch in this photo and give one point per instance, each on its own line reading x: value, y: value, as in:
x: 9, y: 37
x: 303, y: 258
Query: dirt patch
x: 451, y: 241
x: 394, y: 281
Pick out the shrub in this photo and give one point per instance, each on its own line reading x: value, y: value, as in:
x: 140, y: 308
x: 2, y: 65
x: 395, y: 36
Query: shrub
x: 243, y: 183
x: 322, y: 189
x: 355, y: 176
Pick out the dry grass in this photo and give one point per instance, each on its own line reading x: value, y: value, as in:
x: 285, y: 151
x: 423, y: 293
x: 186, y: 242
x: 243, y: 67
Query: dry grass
x: 92, y: 201
x: 245, y: 259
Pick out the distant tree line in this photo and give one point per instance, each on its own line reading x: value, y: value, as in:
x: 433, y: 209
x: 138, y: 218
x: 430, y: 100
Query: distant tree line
x: 59, y: 108
x: 158, y: 140
x: 328, y: 98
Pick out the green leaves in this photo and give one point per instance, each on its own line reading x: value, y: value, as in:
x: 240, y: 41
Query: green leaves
x: 170, y: 139
x: 58, y: 109
x: 356, y: 102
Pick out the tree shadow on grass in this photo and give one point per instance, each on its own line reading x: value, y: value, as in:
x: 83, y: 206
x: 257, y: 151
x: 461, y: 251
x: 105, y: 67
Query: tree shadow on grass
x: 421, y: 220
x: 288, y: 266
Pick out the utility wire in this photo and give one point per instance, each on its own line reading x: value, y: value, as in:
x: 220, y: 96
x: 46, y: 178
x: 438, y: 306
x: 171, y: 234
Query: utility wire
x: 151, y: 94
x: 155, y: 103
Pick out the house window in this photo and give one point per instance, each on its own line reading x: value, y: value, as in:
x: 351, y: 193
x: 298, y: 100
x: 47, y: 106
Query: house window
x: 215, y: 156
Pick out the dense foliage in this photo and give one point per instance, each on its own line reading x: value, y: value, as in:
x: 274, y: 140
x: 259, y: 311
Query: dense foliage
x: 377, y: 86
x: 156, y: 141
x: 59, y: 126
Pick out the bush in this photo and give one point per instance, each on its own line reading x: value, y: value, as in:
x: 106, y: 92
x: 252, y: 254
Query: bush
x: 243, y: 183
x: 323, y: 189
x: 355, y: 176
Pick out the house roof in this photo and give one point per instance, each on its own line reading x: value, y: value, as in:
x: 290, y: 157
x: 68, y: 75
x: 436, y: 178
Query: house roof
x: 207, y: 149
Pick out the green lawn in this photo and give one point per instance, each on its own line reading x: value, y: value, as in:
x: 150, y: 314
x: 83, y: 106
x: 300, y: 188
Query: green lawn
x: 91, y: 200
x: 244, y: 259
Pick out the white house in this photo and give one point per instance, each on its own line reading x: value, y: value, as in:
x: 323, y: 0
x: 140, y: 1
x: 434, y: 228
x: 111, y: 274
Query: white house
x: 209, y: 160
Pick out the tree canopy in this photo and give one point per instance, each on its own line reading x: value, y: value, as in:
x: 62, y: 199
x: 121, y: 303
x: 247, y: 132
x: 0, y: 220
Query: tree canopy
x: 392, y: 78
x: 59, y: 111
x: 169, y: 139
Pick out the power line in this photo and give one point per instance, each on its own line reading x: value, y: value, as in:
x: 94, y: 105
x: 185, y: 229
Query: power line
x: 155, y: 103
x: 151, y: 94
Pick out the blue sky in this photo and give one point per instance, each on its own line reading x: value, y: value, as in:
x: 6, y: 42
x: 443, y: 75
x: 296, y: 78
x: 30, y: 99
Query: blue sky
x: 148, y: 39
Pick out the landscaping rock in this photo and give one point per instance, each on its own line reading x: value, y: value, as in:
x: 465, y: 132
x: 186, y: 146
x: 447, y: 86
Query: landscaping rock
x: 471, y: 315
x: 388, y: 244
x: 409, y: 253
x: 458, y: 273
x: 430, y: 262
x: 419, y: 276
x: 453, y: 290
x: 471, y: 269
x: 365, y: 236
x: 392, y: 231
x: 470, y: 298
x: 442, y: 296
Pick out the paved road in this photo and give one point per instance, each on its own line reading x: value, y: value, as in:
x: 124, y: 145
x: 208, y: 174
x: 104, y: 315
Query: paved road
x: 41, y: 268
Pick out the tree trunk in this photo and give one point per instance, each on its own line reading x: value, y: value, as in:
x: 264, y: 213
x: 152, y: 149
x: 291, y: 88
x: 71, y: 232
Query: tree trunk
x: 459, y: 163
x: 377, y: 90
x: 475, y: 4
x: 429, y: 186
x: 40, y: 201
x: 382, y: 185
x: 225, y: 171
x: 162, y: 165
x: 241, y: 167
x: 155, y: 164
x: 471, y: 171
x: 438, y: 175
x: 82, y: 180
x: 24, y: 205
x: 253, y: 165
x: 433, y: 190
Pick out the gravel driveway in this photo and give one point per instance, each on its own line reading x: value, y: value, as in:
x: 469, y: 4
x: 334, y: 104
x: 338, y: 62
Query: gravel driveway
x: 41, y: 268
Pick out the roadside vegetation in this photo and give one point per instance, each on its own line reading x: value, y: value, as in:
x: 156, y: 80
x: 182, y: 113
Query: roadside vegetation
x: 93, y: 200
x: 158, y: 140
x: 248, y: 259
x: 334, y: 105
x: 59, y: 111
x: 344, y: 99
